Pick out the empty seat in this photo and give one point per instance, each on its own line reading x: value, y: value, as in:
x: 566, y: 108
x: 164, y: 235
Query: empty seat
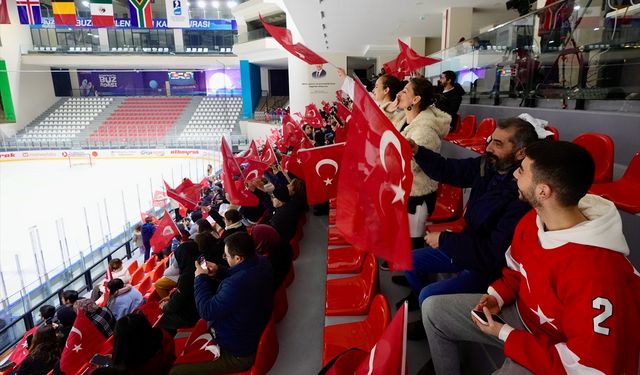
x: 335, y: 238
x: 601, y: 148
x: 467, y: 129
x: 362, y: 335
x: 344, y: 260
x: 623, y: 192
x: 485, y: 129
x: 448, y: 204
x: 353, y: 295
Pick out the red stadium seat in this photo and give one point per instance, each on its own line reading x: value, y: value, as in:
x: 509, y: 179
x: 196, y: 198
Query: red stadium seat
x: 290, y: 276
x: 133, y: 267
x: 467, y: 129
x: 448, y: 204
x: 344, y: 260
x: 149, y: 265
x: 181, y: 343
x: 157, y: 272
x: 280, y: 303
x: 556, y: 133
x: 625, y: 191
x: 353, y: 295
x: 137, y: 276
x: 362, y: 335
x: 145, y: 285
x: 267, y: 351
x: 335, y: 238
x: 601, y: 148
x: 485, y: 129
x: 295, y: 248
x: 332, y: 218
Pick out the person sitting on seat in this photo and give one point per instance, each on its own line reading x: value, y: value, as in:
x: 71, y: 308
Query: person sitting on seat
x: 569, y: 295
x: 44, y: 353
x: 123, y: 299
x: 238, y: 310
x: 101, y: 318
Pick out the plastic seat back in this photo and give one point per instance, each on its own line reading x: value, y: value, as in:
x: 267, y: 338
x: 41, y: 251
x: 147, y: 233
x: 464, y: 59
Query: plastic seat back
x: 632, y: 174
x: 280, y: 303
x: 379, y: 315
x: 149, y: 265
x: 133, y: 267
x: 601, y: 148
x: 486, y: 128
x: 448, y: 203
x: 137, y: 276
x: 556, y: 133
x: 467, y: 128
x: 157, y: 272
x: 268, y: 349
x: 145, y: 285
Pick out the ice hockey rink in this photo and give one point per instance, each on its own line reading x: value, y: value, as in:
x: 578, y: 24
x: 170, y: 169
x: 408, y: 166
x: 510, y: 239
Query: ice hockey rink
x: 76, y: 204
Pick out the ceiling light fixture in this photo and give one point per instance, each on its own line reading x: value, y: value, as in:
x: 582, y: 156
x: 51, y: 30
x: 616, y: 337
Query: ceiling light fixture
x: 215, y: 4
x: 232, y: 4
x: 324, y: 27
x: 202, y: 4
x: 322, y: 14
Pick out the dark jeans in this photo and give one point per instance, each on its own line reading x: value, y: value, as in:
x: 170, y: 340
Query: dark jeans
x: 429, y: 261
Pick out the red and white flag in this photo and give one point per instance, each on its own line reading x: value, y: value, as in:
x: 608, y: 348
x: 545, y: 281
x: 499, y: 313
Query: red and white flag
x: 343, y: 113
x: 4, y: 13
x: 144, y: 216
x: 166, y: 230
x: 406, y: 62
x: 204, y: 182
x: 238, y: 193
x: 200, y: 346
x: 21, y: 350
x: 283, y: 37
x: 293, y: 164
x: 292, y: 132
x: 312, y: 116
x: 254, y: 169
x: 187, y: 193
x: 389, y: 355
x: 268, y: 156
x: 159, y: 199
x: 374, y: 184
x: 251, y: 154
x: 83, y: 342
x: 321, y: 166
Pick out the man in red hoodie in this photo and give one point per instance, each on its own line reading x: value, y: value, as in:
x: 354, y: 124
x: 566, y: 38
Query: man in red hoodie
x: 569, y: 296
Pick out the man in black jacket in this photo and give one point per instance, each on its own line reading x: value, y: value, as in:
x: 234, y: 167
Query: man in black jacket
x: 477, y: 253
x: 452, y: 95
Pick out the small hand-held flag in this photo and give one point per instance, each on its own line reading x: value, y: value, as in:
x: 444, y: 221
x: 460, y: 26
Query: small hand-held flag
x: 164, y: 233
x: 321, y: 166
x: 283, y: 37
x: 83, y: 342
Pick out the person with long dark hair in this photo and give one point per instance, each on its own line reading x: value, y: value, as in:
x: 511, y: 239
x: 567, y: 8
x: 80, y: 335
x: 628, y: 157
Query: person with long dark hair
x: 123, y: 299
x: 44, y: 353
x: 139, y: 348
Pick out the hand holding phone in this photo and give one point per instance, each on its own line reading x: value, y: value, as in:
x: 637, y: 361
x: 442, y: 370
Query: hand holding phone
x: 482, y: 318
x: 203, y: 262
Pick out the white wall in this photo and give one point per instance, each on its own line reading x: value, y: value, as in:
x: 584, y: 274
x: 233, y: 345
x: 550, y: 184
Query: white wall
x: 31, y: 86
x: 264, y: 78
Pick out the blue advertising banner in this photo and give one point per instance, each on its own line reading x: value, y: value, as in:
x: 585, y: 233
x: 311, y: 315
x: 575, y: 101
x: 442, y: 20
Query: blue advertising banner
x: 158, y: 23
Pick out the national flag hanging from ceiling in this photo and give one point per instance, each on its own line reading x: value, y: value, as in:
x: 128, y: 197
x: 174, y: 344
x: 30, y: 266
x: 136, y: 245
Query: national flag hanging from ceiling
x: 4, y: 12
x: 140, y: 11
x: 64, y: 12
x: 102, y: 13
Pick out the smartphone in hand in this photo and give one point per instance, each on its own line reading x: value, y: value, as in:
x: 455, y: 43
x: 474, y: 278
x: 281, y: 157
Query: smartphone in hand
x: 203, y: 262
x: 482, y: 318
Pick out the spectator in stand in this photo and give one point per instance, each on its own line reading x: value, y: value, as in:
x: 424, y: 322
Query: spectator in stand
x: 308, y: 131
x: 279, y: 253
x: 452, y: 94
x: 44, y: 353
x: 64, y: 319
x: 147, y: 231
x: 140, y: 349
x: 569, y: 295
x: 385, y: 91
x: 426, y: 125
x: 180, y: 308
x: 118, y: 271
x: 137, y: 237
x: 101, y: 318
x: 475, y: 255
x: 47, y: 312
x: 123, y: 299
x: 169, y: 279
x: 233, y: 223
x: 238, y: 310
x: 286, y: 213
x: 69, y: 297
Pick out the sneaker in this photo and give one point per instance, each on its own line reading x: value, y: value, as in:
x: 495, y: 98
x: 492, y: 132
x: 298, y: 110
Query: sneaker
x: 384, y: 265
x: 399, y: 280
x: 415, y: 331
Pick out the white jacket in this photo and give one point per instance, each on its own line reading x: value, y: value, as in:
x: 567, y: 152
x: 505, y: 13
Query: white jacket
x: 427, y: 130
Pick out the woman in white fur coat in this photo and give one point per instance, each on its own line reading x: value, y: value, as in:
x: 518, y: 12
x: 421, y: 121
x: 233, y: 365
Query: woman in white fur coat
x: 426, y: 125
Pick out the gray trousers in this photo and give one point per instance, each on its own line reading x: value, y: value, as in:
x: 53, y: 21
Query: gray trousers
x: 447, y: 321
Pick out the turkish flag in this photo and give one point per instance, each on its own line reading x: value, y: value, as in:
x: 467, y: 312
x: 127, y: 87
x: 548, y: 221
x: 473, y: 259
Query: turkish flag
x: 83, y: 342
x: 200, y: 346
x: 268, y: 155
x: 22, y: 348
x: 321, y: 166
x: 339, y: 95
x: 182, y: 210
x: 251, y: 154
x: 299, y: 50
x: 395, y: 68
x: 292, y: 163
x: 406, y: 62
x: 187, y: 193
x: 291, y: 132
x: 159, y: 199
x: 374, y: 184
x: 238, y: 193
x: 165, y: 232
x: 312, y: 116
x: 343, y: 113
x: 254, y: 169
x: 389, y: 355
x: 204, y: 182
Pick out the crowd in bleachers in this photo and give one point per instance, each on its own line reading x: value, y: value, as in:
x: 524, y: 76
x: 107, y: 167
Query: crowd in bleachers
x: 536, y: 264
